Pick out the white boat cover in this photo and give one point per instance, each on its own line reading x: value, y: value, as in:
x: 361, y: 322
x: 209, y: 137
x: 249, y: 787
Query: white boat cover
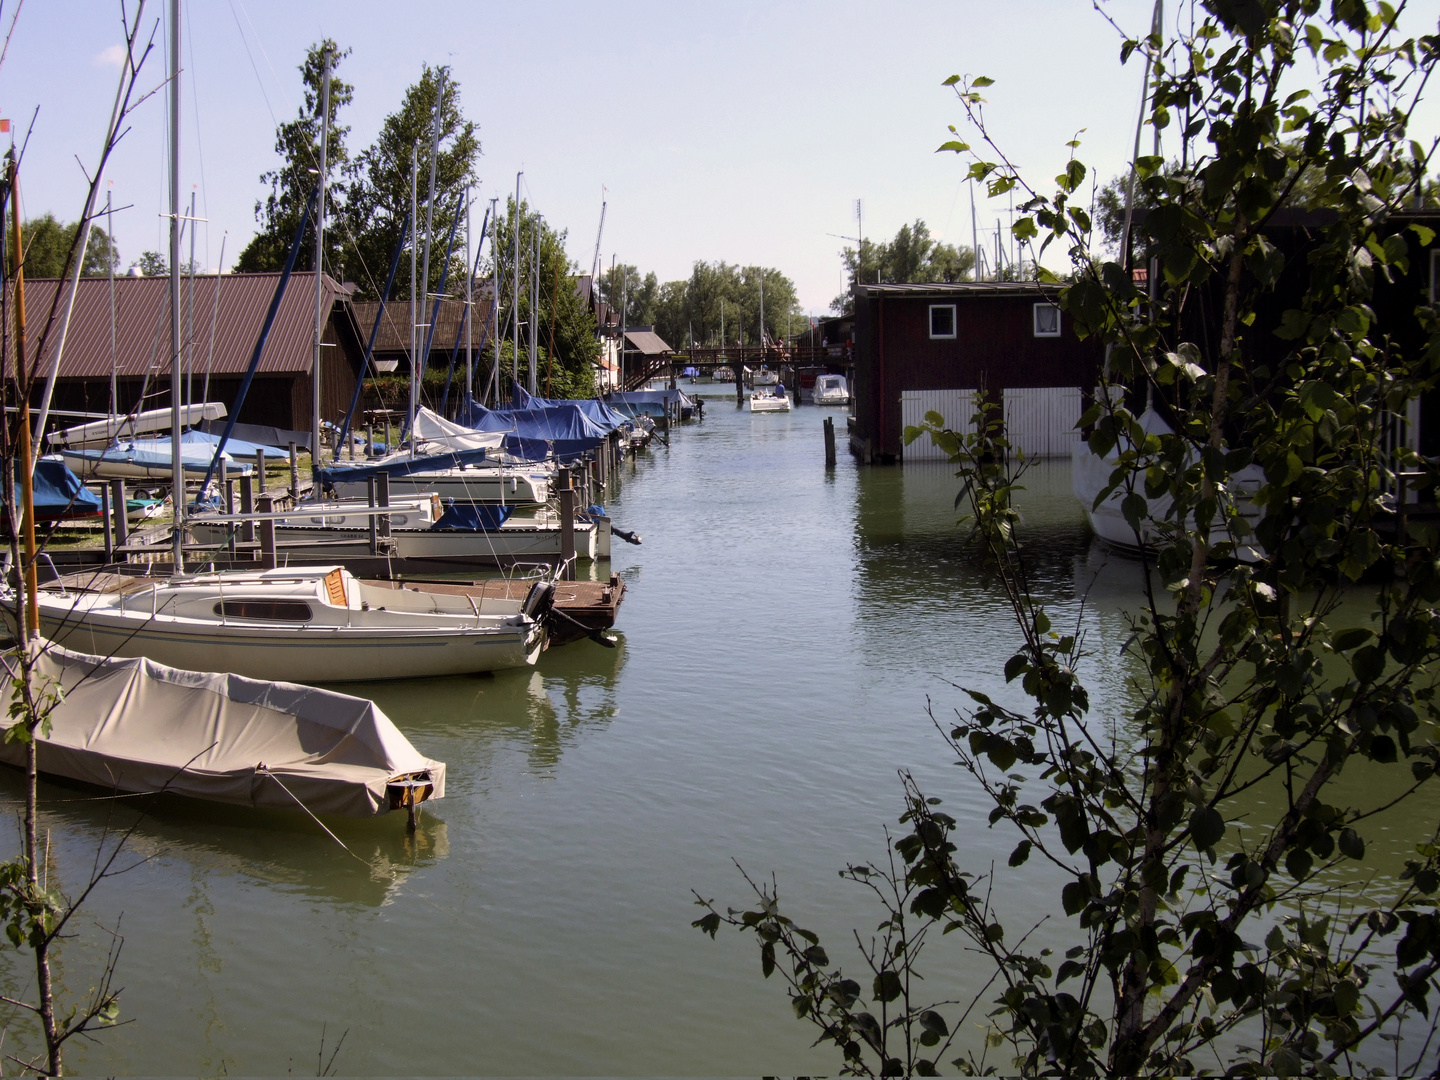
x: 138, y: 726
x: 101, y: 433
x: 434, y: 428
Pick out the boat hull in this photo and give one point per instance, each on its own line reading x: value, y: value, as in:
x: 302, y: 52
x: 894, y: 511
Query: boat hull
x: 462, y: 485
x: 294, y: 654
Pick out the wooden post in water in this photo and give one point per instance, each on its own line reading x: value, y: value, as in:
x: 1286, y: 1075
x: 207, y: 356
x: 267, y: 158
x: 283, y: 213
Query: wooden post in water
x: 266, y: 505
x: 374, y: 535
x: 829, y: 442
x: 109, y: 524
x: 740, y: 382
x: 295, y: 472
x: 121, y: 528
x: 260, y: 471
x: 382, y: 498
x: 567, y: 525
x: 247, y: 506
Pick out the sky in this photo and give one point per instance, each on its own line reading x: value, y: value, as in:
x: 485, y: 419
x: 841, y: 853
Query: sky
x: 740, y: 131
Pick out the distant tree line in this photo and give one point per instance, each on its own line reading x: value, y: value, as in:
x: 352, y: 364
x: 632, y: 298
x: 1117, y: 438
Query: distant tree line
x: 47, y: 242
x: 717, y: 305
x: 912, y: 256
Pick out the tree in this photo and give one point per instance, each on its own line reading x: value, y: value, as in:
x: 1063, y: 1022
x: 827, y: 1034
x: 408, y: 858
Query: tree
x: 379, y: 195
x: 912, y: 256
x: 297, y: 142
x: 152, y: 264
x: 48, y: 242
x: 1186, y: 941
x: 566, y: 368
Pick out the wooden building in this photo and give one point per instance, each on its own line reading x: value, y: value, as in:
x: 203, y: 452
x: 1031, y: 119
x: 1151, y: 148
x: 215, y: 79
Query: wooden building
x: 942, y: 347
x: 221, y: 318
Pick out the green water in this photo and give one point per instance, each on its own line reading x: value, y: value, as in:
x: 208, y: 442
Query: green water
x: 784, y: 628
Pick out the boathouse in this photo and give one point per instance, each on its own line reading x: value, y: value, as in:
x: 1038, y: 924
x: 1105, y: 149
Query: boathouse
x: 221, y: 318
x: 942, y: 347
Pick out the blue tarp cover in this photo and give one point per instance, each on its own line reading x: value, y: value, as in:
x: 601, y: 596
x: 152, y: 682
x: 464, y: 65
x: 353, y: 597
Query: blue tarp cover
x: 471, y: 516
x: 59, y: 492
x: 422, y: 463
x: 650, y: 402
x: 534, y: 434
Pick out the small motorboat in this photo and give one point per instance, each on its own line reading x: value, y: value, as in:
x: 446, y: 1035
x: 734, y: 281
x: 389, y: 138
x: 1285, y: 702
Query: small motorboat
x: 831, y: 390
x: 300, y: 624
x: 765, y: 377
x: 767, y: 399
x: 137, y: 726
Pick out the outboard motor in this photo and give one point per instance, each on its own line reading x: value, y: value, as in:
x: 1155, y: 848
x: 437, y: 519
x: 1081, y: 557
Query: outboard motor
x: 539, y: 600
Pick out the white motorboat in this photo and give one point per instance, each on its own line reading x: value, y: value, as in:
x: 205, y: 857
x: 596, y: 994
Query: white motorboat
x: 765, y: 377
x: 138, y: 726
x: 1090, y: 475
x: 300, y: 624
x: 420, y: 529
x: 831, y: 390
x: 98, y: 434
x: 767, y: 400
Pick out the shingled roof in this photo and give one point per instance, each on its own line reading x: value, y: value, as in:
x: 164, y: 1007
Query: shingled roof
x: 394, y: 335
x: 142, y: 323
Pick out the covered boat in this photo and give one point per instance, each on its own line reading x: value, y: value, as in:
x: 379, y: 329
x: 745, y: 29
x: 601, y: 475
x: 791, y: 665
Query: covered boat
x: 59, y: 494
x: 98, y: 434
x: 831, y: 390
x: 138, y: 726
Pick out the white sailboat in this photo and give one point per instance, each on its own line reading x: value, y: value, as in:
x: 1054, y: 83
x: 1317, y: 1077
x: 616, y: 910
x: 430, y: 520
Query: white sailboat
x: 306, y: 624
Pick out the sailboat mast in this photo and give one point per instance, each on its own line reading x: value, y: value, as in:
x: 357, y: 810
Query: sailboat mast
x: 493, y: 397
x: 110, y: 268
x: 515, y: 288
x: 177, y: 483
x: 190, y: 313
x: 414, y: 360
x: 534, y: 320
x: 469, y: 291
x: 424, y: 362
x: 320, y: 274
x: 27, y: 466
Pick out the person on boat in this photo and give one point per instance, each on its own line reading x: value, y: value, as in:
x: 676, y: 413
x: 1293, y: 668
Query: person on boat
x: 779, y: 389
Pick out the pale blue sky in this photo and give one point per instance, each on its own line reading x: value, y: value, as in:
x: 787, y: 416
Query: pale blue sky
x: 741, y: 131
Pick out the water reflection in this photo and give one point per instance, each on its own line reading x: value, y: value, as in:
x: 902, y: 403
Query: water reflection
x: 270, y: 846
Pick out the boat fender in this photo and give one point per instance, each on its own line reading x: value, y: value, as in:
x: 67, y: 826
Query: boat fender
x: 539, y: 600
x: 628, y: 537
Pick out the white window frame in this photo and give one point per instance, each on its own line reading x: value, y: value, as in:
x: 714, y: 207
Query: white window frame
x: 1035, y: 320
x: 953, y: 322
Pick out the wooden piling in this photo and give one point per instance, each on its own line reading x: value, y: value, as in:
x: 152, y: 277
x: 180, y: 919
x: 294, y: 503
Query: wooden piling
x: 109, y: 524
x: 260, y: 471
x: 247, y: 506
x: 266, y: 505
x: 739, y: 382
x: 382, y: 498
x: 567, y: 525
x: 121, y: 528
x: 370, y: 439
x: 374, y: 533
x: 829, y: 442
x: 295, y: 472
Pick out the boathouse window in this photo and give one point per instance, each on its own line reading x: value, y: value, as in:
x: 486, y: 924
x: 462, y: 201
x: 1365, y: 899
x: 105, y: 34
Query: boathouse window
x: 942, y: 320
x: 270, y: 610
x: 1047, y: 320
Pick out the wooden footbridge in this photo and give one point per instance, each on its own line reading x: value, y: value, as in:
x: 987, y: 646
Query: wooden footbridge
x: 736, y: 357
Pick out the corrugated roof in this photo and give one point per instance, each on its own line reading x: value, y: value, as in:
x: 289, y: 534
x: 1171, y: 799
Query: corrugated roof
x: 962, y: 288
x: 394, y: 335
x: 142, y: 323
x: 647, y: 342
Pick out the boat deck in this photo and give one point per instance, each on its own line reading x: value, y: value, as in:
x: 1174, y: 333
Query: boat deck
x: 594, y: 605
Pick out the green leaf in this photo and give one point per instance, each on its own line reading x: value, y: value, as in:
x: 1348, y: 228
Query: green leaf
x: 767, y: 958
x: 931, y: 1020
x: 887, y: 986
x: 982, y: 80
x: 1021, y: 853
x: 1353, y: 638
x: 1206, y: 827
x: 1426, y: 235
x: 1352, y: 844
x: 1074, y: 897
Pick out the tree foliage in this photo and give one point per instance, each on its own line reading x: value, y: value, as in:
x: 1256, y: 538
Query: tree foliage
x: 913, y: 255
x: 48, y: 241
x: 297, y: 142
x: 713, y: 294
x: 1301, y: 671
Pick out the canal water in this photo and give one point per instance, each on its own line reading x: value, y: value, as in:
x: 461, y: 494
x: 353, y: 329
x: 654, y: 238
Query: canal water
x: 785, y: 629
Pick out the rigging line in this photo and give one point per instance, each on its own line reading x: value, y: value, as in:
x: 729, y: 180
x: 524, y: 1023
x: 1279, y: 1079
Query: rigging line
x: 251, y: 56
x: 261, y: 768
x: 11, y: 32
x: 199, y: 143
